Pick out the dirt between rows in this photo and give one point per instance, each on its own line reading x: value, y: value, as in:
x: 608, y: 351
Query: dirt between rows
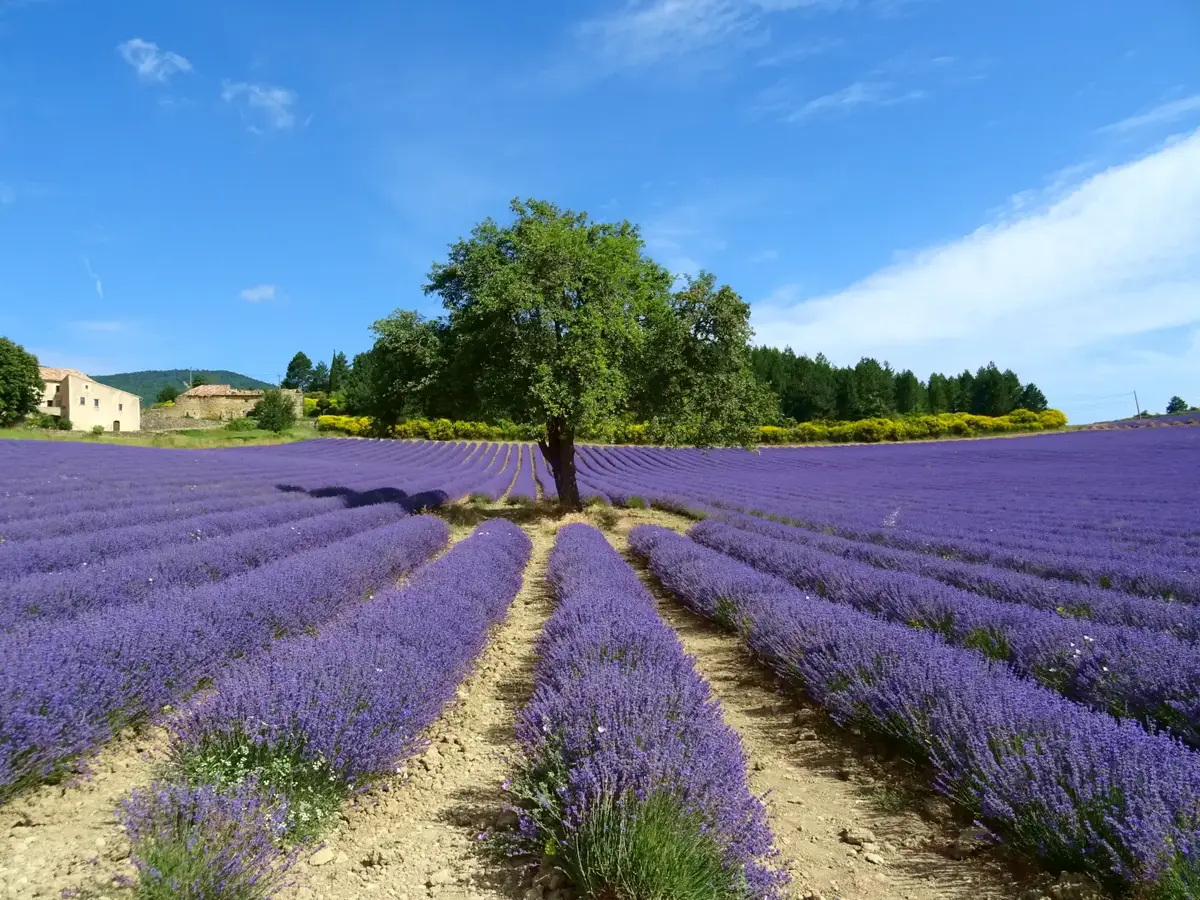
x: 848, y: 823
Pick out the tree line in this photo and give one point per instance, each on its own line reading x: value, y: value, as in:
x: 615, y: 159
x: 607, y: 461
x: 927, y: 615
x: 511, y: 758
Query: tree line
x: 813, y: 389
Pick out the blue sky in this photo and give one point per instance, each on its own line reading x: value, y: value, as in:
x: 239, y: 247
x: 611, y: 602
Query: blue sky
x: 935, y: 182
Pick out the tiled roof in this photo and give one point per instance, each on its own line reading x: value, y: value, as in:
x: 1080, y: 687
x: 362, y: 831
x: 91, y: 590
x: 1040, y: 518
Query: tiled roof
x: 218, y: 390
x: 49, y: 373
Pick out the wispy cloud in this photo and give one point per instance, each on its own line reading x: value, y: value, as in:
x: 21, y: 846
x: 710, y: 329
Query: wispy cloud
x: 263, y: 106
x: 1162, y: 114
x: 1114, y: 257
x: 859, y: 93
x: 260, y: 293
x: 7, y: 194
x: 152, y: 63
x: 100, y: 327
x: 764, y: 256
x: 645, y: 32
x: 96, y: 278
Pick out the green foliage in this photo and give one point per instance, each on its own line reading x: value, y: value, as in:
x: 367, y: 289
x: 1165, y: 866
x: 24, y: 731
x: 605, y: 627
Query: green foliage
x: 275, y: 412
x: 167, y: 395
x: 318, y: 381
x: 814, y: 389
x: 97, y: 430
x: 299, y: 372
x: 314, y: 794
x: 339, y: 370
x: 652, y: 850
x: 695, y: 382
x: 243, y: 424
x: 402, y: 367
x: 21, y: 383
x: 65, y: 424
x: 150, y: 383
x: 1176, y: 405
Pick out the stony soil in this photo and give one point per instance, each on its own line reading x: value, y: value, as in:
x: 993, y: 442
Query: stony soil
x: 849, y: 823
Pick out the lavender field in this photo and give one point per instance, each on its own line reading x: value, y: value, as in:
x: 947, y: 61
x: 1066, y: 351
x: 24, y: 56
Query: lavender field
x: 335, y: 667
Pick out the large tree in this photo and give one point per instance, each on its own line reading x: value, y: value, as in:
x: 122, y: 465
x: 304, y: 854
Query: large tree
x: 299, y: 372
x: 21, y: 384
x: 1176, y: 405
x: 564, y: 322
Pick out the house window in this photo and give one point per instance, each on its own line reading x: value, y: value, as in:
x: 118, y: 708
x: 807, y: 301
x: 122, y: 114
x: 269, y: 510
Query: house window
x: 49, y: 402
x: 97, y: 402
x: 83, y: 401
x: 120, y: 407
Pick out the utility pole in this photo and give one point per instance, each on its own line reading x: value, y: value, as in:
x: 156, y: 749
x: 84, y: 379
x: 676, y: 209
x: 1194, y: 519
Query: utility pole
x: 1137, y: 405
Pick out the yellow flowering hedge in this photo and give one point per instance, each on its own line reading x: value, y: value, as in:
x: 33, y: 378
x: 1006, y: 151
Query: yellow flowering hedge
x: 912, y: 428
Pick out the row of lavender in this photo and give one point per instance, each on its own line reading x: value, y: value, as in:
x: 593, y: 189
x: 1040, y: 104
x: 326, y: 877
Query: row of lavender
x: 1073, y: 786
x: 1097, y: 509
x: 1127, y: 672
x: 263, y: 758
x: 627, y: 775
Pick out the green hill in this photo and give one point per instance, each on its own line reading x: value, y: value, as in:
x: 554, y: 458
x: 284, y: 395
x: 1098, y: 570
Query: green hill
x: 147, y: 384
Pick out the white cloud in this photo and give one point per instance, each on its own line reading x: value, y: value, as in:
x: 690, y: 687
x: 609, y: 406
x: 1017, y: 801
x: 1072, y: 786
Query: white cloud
x: 1043, y: 291
x: 764, y: 256
x: 1160, y: 115
x: 96, y: 278
x: 151, y: 62
x: 645, y: 32
x: 260, y: 293
x: 262, y: 103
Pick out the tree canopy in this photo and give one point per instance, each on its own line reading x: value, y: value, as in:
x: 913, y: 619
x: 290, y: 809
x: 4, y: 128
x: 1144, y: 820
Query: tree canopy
x: 339, y: 368
x: 299, y: 371
x: 21, y: 383
x: 1176, y: 405
x: 562, y: 321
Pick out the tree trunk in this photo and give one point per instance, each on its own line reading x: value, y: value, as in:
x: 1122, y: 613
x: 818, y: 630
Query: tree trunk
x: 559, y: 450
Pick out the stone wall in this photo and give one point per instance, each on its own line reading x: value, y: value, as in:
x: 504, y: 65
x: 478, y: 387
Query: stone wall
x: 223, y: 407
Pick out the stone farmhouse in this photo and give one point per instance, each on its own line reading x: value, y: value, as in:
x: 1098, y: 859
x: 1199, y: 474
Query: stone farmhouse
x: 71, y: 394
x: 221, y: 402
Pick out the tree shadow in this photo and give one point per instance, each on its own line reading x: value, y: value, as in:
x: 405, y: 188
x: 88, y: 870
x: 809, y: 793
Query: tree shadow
x: 424, y: 501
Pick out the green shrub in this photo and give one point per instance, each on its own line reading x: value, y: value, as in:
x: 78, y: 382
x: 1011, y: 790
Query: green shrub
x: 275, y: 412
x: 97, y: 430
x: 64, y: 424
x: 243, y: 424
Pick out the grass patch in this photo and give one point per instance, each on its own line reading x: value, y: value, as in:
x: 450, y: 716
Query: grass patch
x: 649, y: 850
x: 188, y: 438
x: 312, y: 790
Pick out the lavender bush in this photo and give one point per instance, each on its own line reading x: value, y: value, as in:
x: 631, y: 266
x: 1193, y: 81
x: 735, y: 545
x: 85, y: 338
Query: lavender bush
x: 1078, y: 789
x: 627, y: 771
x: 199, y: 843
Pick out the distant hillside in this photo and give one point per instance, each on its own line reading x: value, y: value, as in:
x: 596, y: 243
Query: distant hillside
x: 147, y: 384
